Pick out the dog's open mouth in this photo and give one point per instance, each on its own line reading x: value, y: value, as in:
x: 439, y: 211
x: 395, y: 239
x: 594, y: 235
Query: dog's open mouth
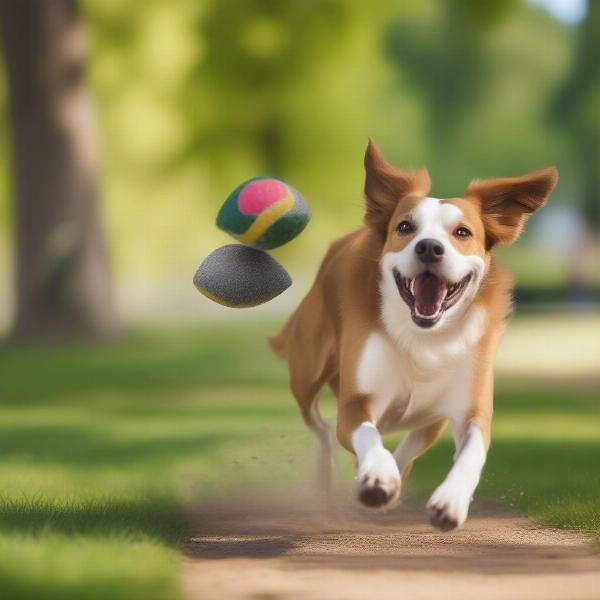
x: 428, y: 295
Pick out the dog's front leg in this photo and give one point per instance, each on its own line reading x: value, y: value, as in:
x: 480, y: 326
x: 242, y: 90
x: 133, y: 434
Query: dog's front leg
x: 449, y: 505
x: 377, y: 476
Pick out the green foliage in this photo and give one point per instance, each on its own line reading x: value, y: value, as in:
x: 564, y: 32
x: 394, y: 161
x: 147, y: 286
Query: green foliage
x: 196, y: 97
x: 256, y: 52
x: 485, y: 88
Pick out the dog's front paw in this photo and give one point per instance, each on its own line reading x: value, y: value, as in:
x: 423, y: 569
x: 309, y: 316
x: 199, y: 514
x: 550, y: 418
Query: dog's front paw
x: 378, y: 480
x: 448, y: 506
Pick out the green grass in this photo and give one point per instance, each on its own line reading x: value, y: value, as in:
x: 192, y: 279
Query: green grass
x: 102, y: 450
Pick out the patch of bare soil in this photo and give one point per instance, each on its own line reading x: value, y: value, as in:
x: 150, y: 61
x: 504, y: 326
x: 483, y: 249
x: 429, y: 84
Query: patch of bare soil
x: 276, y: 548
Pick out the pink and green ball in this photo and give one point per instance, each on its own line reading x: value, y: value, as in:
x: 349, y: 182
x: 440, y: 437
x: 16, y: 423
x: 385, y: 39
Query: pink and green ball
x: 264, y: 212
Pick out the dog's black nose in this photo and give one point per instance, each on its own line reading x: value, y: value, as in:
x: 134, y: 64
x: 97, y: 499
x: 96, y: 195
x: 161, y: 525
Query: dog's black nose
x: 429, y: 251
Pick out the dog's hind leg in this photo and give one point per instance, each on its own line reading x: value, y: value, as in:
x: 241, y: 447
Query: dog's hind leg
x: 307, y: 396
x: 307, y: 341
x: 325, y: 457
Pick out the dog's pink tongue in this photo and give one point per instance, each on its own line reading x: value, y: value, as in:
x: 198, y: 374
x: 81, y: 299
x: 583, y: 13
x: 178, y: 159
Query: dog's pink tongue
x: 429, y: 292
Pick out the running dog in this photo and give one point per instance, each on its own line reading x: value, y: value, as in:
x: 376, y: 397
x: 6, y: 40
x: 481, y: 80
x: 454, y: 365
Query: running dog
x: 403, y: 321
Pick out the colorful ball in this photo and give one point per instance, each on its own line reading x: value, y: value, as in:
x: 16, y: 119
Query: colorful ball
x: 264, y: 212
x: 239, y: 276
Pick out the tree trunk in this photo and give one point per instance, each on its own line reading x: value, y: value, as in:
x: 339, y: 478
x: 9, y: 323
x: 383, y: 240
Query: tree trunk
x: 62, y: 277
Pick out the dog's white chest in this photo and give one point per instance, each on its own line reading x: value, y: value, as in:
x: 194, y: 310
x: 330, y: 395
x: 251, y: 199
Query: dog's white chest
x: 403, y: 396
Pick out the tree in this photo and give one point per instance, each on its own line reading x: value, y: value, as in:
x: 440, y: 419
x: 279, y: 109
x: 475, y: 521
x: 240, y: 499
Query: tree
x: 576, y: 106
x: 62, y: 276
x: 256, y: 50
x: 447, y: 60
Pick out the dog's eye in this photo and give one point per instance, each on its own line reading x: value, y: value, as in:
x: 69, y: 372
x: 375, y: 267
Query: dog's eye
x: 463, y: 232
x: 405, y: 227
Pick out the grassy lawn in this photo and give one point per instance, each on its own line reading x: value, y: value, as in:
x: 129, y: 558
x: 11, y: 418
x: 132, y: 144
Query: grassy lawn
x: 102, y: 450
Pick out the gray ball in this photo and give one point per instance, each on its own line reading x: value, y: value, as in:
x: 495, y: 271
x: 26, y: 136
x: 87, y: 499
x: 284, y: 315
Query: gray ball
x: 240, y: 276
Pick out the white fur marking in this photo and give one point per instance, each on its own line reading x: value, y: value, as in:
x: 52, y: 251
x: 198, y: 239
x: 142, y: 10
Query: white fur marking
x: 434, y: 219
x: 434, y: 216
x: 461, y: 326
x: 376, y: 465
x: 381, y: 373
x: 428, y: 381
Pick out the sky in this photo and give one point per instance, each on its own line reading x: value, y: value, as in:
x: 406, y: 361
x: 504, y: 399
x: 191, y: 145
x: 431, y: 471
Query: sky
x: 567, y: 11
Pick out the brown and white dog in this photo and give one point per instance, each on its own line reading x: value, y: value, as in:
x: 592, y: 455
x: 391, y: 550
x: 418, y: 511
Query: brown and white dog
x: 403, y: 322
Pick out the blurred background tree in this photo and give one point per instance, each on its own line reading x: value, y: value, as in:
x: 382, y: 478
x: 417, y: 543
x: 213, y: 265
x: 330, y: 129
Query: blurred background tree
x: 62, y: 281
x: 577, y: 110
x: 256, y: 52
x: 449, y: 61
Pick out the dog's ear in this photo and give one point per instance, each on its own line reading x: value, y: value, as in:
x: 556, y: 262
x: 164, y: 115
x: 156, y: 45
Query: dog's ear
x: 507, y: 203
x: 385, y: 185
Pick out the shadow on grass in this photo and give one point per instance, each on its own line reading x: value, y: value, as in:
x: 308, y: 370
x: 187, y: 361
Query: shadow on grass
x: 160, y: 518
x: 81, y: 447
x: 143, y: 514
x: 144, y: 362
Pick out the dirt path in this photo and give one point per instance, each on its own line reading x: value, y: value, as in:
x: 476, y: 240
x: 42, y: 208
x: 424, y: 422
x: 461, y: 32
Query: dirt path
x: 259, y: 550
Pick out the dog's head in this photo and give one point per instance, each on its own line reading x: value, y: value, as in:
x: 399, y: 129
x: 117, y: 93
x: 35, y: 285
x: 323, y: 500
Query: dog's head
x: 437, y: 252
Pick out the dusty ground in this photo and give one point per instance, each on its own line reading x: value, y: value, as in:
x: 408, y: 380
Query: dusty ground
x: 271, y: 550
